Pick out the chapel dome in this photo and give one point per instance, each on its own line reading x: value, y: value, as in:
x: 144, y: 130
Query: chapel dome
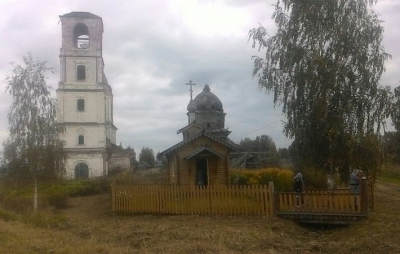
x: 206, y: 100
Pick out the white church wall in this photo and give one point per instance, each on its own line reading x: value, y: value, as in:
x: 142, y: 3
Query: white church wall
x: 94, y: 162
x: 94, y: 107
x: 90, y: 70
x: 94, y: 136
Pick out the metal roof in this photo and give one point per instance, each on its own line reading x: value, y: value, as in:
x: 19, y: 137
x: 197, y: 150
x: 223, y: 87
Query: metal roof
x: 81, y: 14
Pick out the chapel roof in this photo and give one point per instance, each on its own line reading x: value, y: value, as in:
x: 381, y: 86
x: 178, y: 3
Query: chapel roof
x: 228, y: 143
x: 81, y: 14
x: 206, y: 100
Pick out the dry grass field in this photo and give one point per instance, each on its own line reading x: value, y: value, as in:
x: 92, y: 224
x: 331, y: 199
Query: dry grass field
x: 88, y: 226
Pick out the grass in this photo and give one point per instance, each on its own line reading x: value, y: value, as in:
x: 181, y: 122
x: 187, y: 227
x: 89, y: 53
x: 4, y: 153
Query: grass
x: 88, y: 226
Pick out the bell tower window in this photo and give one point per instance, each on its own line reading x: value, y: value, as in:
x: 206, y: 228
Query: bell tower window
x: 81, y: 36
x: 81, y: 72
x: 81, y: 140
x: 81, y: 105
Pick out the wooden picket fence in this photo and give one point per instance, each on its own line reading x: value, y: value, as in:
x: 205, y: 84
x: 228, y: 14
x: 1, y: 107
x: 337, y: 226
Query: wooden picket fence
x: 194, y: 200
x: 242, y: 200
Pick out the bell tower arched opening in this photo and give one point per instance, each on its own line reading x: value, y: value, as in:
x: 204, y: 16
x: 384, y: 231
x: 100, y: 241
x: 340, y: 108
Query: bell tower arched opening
x: 81, y: 36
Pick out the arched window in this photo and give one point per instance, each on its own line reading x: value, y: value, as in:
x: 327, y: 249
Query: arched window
x: 81, y: 36
x: 81, y: 140
x: 81, y: 72
x: 82, y: 171
x: 81, y: 105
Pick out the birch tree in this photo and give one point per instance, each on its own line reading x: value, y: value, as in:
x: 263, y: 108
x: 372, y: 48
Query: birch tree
x: 33, y: 151
x: 323, y: 66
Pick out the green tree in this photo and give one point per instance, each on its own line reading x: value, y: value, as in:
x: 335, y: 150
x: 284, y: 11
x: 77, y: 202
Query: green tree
x: 391, y: 141
x: 323, y: 66
x: 395, y: 114
x: 163, y: 159
x: 33, y: 151
x: 265, y: 148
x: 147, y: 155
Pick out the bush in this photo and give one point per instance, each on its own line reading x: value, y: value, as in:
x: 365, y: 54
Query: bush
x: 76, y: 187
x: 314, y: 178
x: 7, y: 216
x: 58, y: 200
x: 391, y: 170
x: 282, y: 178
x: 16, y: 199
x: 44, y: 220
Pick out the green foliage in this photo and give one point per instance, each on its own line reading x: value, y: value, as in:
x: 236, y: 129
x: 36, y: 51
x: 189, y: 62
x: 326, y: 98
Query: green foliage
x: 323, y: 65
x: 7, y: 215
x: 18, y: 198
x: 391, y: 170
x: 15, y: 198
x: 57, y: 198
x: 44, y: 220
x: 76, y: 187
x: 282, y: 178
x: 395, y: 113
x: 33, y: 151
x: 391, y: 141
x: 147, y: 155
x: 314, y: 177
x: 264, y: 147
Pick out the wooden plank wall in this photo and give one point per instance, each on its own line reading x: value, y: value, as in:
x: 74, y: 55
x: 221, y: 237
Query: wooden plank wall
x: 194, y: 200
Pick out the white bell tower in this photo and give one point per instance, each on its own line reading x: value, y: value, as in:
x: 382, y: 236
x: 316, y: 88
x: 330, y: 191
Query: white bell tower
x: 85, y: 99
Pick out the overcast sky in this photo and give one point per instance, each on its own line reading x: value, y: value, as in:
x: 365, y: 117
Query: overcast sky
x: 152, y: 48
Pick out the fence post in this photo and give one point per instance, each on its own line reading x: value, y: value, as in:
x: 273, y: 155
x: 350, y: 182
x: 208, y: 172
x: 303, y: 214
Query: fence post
x: 113, y: 196
x: 271, y: 191
x: 364, y: 196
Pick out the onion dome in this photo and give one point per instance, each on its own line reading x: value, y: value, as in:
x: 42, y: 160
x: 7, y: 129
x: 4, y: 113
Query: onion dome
x: 191, y: 107
x: 206, y: 100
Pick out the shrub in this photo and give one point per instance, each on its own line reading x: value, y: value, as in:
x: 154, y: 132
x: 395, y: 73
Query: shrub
x: 314, y: 178
x: 88, y: 187
x: 58, y: 199
x: 7, y: 216
x: 16, y: 199
x: 44, y: 220
x: 282, y: 178
x: 391, y: 170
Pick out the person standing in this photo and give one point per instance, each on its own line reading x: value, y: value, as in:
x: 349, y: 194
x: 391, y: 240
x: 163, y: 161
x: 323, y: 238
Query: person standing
x: 298, y: 185
x: 355, y: 181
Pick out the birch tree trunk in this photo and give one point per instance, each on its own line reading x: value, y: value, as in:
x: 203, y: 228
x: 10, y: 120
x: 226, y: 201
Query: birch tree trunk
x: 35, y: 196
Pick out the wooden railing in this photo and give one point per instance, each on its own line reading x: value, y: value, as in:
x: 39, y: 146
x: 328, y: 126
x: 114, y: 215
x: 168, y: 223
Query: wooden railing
x: 318, y: 202
x: 210, y: 200
x: 328, y: 201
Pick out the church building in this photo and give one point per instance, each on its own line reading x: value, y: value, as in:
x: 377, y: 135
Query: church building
x: 202, y: 158
x: 85, y: 100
